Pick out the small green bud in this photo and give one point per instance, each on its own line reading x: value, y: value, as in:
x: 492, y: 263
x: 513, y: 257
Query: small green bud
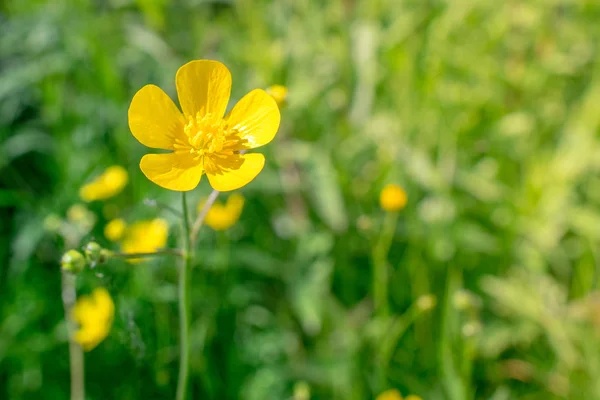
x: 465, y: 300
x: 95, y: 254
x: 301, y: 391
x: 72, y: 261
x: 426, y: 302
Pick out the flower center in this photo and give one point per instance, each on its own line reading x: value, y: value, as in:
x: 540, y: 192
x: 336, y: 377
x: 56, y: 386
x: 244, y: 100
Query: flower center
x: 208, y: 135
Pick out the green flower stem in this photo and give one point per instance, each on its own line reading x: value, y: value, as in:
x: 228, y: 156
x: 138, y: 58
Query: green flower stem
x: 202, y: 215
x: 380, y: 264
x: 184, y: 304
x: 69, y: 296
x: 396, y: 329
x: 159, y: 252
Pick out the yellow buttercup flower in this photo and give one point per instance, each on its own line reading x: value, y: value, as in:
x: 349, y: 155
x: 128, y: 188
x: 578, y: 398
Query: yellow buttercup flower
x: 412, y: 397
x: 223, y: 216
x: 145, y: 237
x: 115, y: 229
x: 94, y: 314
x: 201, y: 139
x: 391, y: 394
x: 110, y: 183
x: 392, y: 198
x: 279, y: 93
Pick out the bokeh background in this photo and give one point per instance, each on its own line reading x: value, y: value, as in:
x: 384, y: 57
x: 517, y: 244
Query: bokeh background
x: 487, y: 113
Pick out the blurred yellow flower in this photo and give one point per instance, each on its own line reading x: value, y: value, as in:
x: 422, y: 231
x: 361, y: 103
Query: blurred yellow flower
x: 83, y: 218
x: 115, y: 229
x: 94, y: 314
x: 392, y: 198
x: 110, y: 183
x: 202, y: 140
x: 279, y: 93
x: 412, y: 397
x: 391, y: 394
x: 77, y: 213
x: 145, y: 237
x: 223, y: 216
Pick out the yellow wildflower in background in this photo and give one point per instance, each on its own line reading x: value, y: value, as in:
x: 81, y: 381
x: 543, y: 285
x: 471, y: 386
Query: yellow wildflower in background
x: 81, y: 217
x: 110, y: 183
x: 145, y: 236
x: 391, y: 394
x: 115, y: 229
x: 201, y: 140
x: 412, y: 397
x: 279, y: 93
x: 392, y: 198
x: 77, y: 213
x: 223, y: 216
x: 94, y: 314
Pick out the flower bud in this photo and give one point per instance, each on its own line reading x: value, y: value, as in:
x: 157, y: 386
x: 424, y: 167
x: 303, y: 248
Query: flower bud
x: 115, y: 229
x: 301, y: 391
x: 392, y: 198
x: 392, y: 394
x: 471, y: 328
x: 72, y: 261
x: 95, y: 254
x: 426, y: 302
x: 465, y: 300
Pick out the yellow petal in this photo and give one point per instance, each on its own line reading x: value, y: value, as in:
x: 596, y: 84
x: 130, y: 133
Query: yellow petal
x: 225, y: 179
x: 223, y: 216
x: 154, y: 119
x: 115, y: 229
x: 173, y: 171
x: 391, y: 394
x: 110, y: 183
x: 256, y: 118
x: 203, y: 86
x: 145, y: 237
x: 94, y: 315
x: 279, y: 94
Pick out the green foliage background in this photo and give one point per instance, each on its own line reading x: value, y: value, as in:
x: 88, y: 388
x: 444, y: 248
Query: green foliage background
x: 487, y: 113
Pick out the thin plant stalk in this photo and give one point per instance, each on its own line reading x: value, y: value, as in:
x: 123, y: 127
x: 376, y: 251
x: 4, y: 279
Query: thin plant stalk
x: 380, y: 264
x: 76, y: 361
x: 184, y: 304
x: 159, y: 252
x: 202, y: 215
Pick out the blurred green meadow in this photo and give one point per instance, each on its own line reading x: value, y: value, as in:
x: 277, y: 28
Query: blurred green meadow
x: 486, y: 113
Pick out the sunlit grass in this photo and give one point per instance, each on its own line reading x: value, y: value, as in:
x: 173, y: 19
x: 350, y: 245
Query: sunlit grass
x: 485, y: 113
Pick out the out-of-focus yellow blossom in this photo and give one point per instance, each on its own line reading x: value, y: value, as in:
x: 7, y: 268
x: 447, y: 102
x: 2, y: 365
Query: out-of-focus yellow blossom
x: 201, y: 139
x: 391, y: 394
x: 223, y: 216
x: 392, y: 198
x: 412, y: 397
x: 110, y: 183
x: 83, y: 218
x: 115, y: 229
x: 94, y: 314
x: 145, y: 237
x: 77, y: 213
x: 279, y: 93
